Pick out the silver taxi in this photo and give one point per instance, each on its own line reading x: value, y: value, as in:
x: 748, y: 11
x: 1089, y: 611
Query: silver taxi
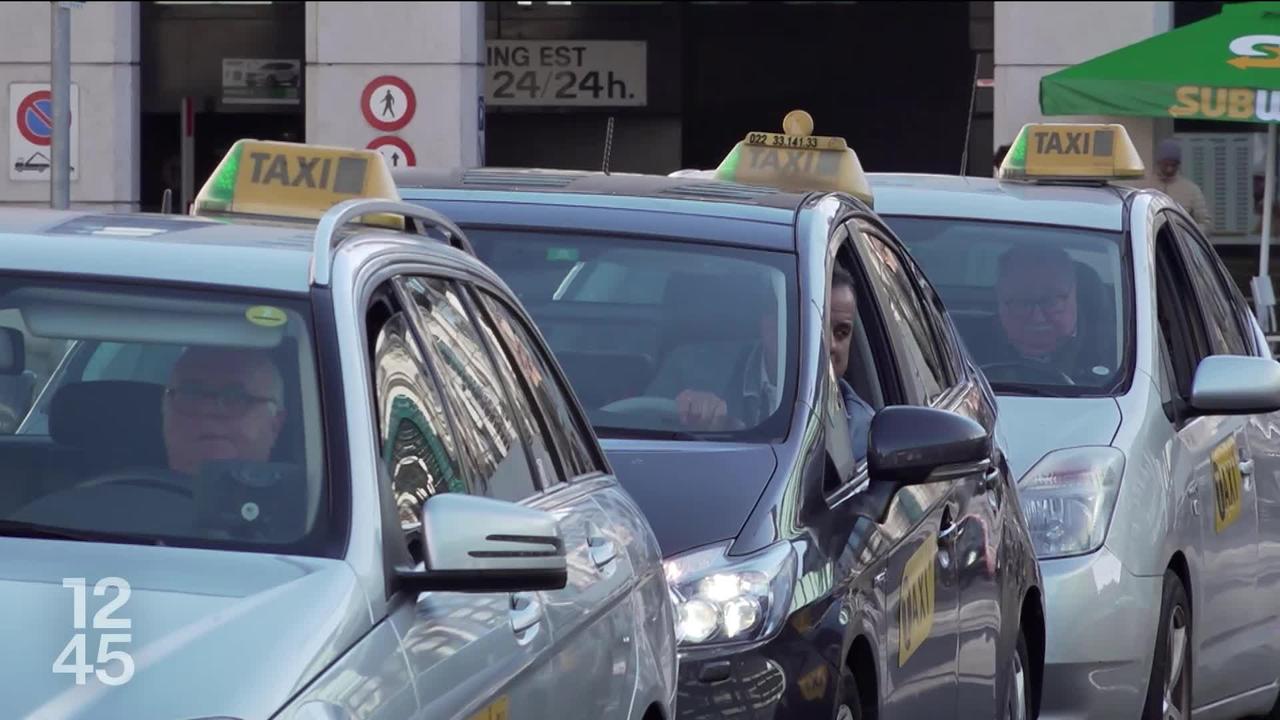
x: 1138, y: 397
x: 303, y: 457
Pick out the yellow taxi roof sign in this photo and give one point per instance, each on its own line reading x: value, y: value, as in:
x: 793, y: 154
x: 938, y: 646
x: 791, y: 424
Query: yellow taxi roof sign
x: 295, y: 181
x: 797, y: 160
x: 1072, y: 151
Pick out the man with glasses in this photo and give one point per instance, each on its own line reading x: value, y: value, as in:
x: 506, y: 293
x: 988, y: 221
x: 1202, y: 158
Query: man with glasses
x: 222, y: 404
x: 1037, y: 307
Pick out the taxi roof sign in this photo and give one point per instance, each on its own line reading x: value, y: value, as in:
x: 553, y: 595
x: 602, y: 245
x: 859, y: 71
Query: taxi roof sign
x: 295, y: 180
x: 1072, y: 151
x: 797, y: 160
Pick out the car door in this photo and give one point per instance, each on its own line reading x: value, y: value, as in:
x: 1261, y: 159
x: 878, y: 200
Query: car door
x: 643, y: 660
x: 464, y: 651
x: 978, y: 497
x: 920, y: 579
x: 1210, y: 461
x: 588, y: 664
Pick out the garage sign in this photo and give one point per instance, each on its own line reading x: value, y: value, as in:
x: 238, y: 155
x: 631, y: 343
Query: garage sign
x: 570, y: 73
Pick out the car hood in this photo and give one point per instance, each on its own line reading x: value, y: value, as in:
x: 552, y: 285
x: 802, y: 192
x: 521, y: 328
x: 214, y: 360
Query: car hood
x: 692, y: 493
x: 1034, y: 427
x: 210, y: 633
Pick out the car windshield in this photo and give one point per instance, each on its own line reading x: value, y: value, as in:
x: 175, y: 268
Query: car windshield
x: 1042, y: 309
x: 160, y: 416
x: 661, y: 339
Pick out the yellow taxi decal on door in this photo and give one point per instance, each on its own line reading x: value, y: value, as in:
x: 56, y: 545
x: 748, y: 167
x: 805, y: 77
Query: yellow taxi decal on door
x: 1226, y: 485
x: 497, y: 710
x: 915, y: 602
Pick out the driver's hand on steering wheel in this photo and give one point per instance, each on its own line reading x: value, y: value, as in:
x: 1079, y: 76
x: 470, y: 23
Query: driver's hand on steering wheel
x: 701, y: 409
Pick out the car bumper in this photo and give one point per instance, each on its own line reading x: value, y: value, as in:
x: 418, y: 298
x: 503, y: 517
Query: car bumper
x: 1101, y: 623
x: 778, y: 680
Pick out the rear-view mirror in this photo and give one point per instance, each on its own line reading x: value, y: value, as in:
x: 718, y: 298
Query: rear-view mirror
x: 1236, y: 385
x: 13, y: 351
x: 478, y: 544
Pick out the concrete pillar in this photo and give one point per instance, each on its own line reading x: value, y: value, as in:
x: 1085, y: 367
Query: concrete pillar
x: 437, y: 49
x: 104, y: 65
x: 1034, y: 39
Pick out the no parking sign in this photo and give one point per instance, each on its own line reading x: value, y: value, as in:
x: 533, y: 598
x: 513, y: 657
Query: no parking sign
x: 31, y: 131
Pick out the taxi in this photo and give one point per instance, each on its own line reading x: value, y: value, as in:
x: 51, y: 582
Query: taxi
x: 302, y: 456
x: 779, y: 388
x: 1138, y: 397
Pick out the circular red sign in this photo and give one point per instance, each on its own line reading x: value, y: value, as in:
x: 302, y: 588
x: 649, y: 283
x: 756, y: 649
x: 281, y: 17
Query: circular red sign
x: 384, y: 83
x: 35, y: 118
x: 405, y: 152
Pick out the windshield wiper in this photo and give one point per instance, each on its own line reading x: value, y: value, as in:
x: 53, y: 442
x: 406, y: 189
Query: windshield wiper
x: 644, y: 433
x: 16, y: 528
x: 1014, y: 388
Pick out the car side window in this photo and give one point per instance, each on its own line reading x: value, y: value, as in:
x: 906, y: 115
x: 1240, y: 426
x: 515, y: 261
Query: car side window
x: 486, y: 416
x: 1181, y: 324
x: 1222, y: 322
x: 416, y: 441
x: 925, y: 368
x: 546, y: 468
x: 568, y: 431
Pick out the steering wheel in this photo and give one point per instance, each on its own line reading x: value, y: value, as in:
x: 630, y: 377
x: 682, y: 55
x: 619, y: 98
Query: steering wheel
x: 661, y: 408
x: 151, y: 478
x: 1036, y: 371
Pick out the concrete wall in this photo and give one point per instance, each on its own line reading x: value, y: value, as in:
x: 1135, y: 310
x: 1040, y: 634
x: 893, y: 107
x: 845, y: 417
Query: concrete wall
x: 104, y: 63
x: 1033, y: 39
x: 437, y: 48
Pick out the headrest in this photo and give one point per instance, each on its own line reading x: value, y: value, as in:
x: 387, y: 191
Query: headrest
x: 116, y: 415
x: 716, y: 306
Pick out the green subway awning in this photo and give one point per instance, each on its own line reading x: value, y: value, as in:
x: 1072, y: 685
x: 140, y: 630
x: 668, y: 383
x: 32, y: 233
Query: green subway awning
x: 1226, y: 67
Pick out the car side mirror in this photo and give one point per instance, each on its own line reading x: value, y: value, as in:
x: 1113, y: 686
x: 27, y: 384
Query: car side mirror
x: 13, y: 351
x: 1235, y: 385
x: 913, y: 445
x: 478, y: 544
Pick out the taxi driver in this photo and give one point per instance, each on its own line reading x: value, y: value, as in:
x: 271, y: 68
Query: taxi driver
x: 1036, y: 296
x: 222, y: 404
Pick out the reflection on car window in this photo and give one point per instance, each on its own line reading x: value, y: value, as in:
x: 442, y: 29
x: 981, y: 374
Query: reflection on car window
x: 417, y: 445
x: 1036, y: 305
x: 660, y: 337
x: 174, y: 417
x: 922, y: 365
x: 551, y: 396
x: 485, y: 417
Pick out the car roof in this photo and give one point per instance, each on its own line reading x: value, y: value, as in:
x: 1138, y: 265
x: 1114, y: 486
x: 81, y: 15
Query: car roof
x: 681, y: 208
x: 1098, y: 207
x: 228, y: 251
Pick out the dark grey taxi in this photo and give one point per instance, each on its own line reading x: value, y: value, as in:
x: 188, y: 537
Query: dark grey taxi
x: 691, y: 317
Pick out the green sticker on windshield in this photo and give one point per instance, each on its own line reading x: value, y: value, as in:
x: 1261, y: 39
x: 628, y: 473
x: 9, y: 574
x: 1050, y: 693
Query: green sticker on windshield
x: 562, y: 254
x: 265, y: 316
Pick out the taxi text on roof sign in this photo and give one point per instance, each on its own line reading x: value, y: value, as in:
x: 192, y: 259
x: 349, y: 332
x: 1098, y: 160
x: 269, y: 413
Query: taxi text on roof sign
x: 293, y: 180
x: 1072, y: 151
x: 796, y: 160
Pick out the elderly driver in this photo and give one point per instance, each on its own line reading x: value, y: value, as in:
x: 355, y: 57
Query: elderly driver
x: 222, y: 404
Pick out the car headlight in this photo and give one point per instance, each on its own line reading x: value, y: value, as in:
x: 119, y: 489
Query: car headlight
x: 723, y: 599
x: 1068, y: 499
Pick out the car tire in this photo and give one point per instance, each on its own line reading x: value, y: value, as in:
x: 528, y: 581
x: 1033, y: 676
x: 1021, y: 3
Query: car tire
x: 1017, y: 703
x: 849, y: 702
x: 1171, y: 665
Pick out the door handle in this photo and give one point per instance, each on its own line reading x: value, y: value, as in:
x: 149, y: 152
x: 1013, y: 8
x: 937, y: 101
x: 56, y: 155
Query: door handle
x: 603, y: 551
x: 526, y: 612
x: 1246, y: 467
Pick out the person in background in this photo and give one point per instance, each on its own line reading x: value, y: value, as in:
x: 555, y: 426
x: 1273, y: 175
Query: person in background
x: 999, y: 158
x: 1169, y: 180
